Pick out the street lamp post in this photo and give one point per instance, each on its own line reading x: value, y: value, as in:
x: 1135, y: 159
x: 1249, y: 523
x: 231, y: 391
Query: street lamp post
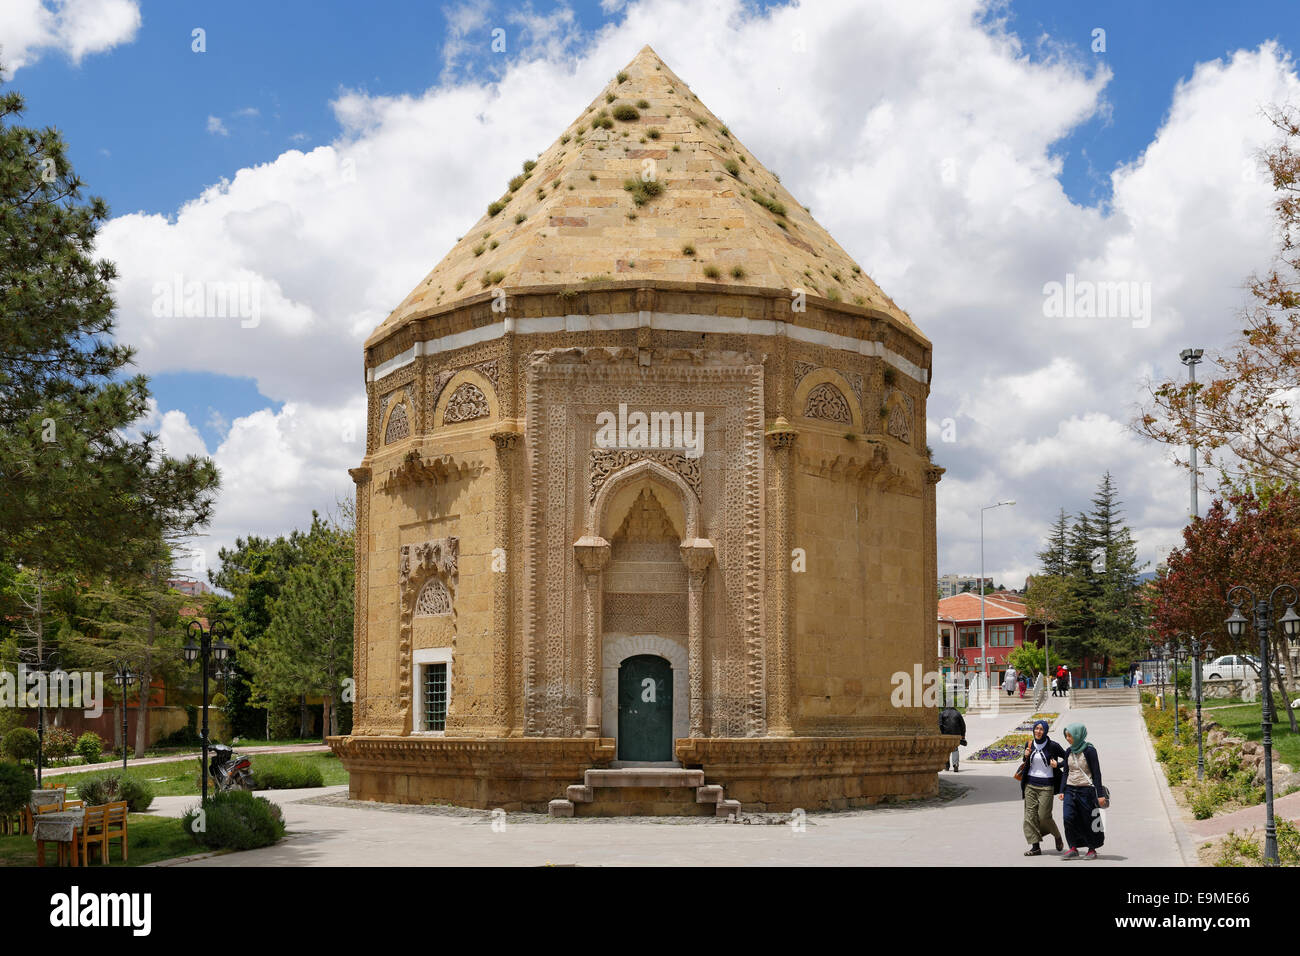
x: 123, y: 678
x: 1290, y: 621
x: 1191, y: 358
x: 205, y: 650
x: 1199, y: 651
x: 1177, y: 654
x: 983, y: 648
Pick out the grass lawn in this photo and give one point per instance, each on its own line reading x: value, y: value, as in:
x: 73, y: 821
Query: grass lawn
x: 151, y: 839
x: 180, y: 778
x: 1242, y: 720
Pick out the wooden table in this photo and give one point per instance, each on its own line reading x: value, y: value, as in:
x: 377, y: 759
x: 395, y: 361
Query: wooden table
x: 62, y: 827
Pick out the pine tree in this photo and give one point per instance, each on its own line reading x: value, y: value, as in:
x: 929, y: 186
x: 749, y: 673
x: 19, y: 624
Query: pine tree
x: 1117, y: 609
x: 75, y: 492
x: 1055, y: 557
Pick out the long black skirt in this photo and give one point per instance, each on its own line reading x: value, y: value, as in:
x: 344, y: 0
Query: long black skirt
x: 1083, y: 819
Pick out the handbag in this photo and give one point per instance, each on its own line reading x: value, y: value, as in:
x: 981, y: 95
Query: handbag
x: 1103, y: 793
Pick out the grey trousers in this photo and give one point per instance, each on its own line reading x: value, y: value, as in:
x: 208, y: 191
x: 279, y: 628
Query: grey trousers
x: 1038, y: 814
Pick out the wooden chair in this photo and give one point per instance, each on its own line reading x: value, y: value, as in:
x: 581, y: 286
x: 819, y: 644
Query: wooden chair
x: 54, y: 808
x: 93, y: 831
x: 115, y: 826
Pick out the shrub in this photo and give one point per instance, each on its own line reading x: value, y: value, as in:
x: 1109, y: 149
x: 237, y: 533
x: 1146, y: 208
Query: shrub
x: 495, y: 207
x: 643, y: 104
x: 21, y: 743
x: 59, y: 743
x: 643, y: 190
x: 732, y: 167
x: 688, y: 250
x: 626, y: 112
x: 610, y: 97
x: 653, y: 132
x: 90, y: 745
x: 711, y: 272
x: 517, y: 181
x: 738, y: 272
x: 235, y: 821
x: 101, y: 788
x: 286, y: 774
x: 16, y: 784
x: 622, y: 77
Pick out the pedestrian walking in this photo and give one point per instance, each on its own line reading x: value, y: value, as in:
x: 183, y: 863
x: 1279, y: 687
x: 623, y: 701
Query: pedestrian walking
x: 1065, y: 683
x: 1083, y: 796
x: 952, y: 722
x: 1023, y: 685
x: 1042, y: 772
x: 1055, y: 688
x: 1009, y: 683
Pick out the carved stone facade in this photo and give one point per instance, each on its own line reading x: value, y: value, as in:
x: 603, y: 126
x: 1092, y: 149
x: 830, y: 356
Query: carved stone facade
x: 780, y: 569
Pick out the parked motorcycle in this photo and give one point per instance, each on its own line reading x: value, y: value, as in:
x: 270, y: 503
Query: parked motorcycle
x: 229, y: 770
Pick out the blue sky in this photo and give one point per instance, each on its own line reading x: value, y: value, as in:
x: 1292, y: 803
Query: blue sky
x: 151, y: 124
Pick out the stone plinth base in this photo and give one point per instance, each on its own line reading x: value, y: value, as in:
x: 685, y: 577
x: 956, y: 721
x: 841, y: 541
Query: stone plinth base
x: 780, y: 774
x: 516, y: 773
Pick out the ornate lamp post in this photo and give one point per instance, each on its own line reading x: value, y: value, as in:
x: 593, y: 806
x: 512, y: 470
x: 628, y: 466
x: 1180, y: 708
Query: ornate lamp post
x: 1178, y: 654
x: 123, y: 677
x: 1290, y: 622
x: 1199, y: 652
x: 1158, y: 655
x: 205, y: 650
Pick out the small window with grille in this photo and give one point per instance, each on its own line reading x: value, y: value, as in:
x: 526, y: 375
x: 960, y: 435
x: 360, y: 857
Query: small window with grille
x: 435, y: 697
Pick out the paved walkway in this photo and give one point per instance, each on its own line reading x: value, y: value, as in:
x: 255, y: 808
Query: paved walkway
x: 979, y: 826
x: 192, y: 755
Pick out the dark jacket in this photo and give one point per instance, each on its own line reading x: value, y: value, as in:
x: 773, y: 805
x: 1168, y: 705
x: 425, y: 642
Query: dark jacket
x: 1050, y: 750
x: 952, y: 722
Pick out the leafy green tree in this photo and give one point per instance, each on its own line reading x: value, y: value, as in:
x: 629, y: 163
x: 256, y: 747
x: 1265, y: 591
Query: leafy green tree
x: 1119, y: 613
x: 1055, y: 557
x: 307, y: 648
x: 76, y: 493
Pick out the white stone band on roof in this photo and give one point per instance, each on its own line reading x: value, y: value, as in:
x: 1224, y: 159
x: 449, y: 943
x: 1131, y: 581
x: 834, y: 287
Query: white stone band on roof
x: 676, y: 322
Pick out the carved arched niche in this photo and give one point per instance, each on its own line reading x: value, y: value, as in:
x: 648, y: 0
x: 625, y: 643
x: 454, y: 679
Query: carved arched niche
x: 419, y: 565
x: 825, y: 396
x: 468, y: 398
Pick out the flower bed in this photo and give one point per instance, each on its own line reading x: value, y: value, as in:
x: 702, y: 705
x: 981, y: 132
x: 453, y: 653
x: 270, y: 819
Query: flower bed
x: 1029, y: 724
x: 1009, y: 747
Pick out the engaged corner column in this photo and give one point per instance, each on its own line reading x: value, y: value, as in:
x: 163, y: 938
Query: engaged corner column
x: 781, y: 437
x: 592, y: 552
x: 502, y: 696
x: 697, y: 553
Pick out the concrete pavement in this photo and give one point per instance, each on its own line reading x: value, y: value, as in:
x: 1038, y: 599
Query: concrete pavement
x: 977, y: 821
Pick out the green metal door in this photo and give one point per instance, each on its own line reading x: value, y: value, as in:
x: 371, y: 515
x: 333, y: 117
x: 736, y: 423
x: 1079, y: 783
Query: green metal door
x: 645, y: 709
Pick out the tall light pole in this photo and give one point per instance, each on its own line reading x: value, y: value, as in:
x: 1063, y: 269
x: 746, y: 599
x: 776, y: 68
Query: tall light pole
x: 983, y: 650
x: 1191, y: 358
x: 123, y: 677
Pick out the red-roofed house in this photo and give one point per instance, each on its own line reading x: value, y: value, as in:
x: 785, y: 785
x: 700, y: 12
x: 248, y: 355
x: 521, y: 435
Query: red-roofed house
x: 1005, y: 630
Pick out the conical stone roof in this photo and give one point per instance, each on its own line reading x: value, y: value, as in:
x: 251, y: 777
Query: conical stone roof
x: 579, y: 214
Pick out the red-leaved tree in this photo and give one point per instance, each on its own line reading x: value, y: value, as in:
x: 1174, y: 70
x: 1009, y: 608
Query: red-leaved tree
x: 1241, y: 540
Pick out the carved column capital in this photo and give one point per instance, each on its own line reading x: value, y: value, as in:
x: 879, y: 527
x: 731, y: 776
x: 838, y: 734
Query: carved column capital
x: 360, y: 475
x: 697, y: 555
x: 506, y: 440
x: 933, y: 473
x: 781, y: 434
x: 592, y: 552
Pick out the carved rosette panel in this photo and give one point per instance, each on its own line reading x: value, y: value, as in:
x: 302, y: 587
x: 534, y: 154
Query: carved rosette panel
x: 392, y: 387
x: 417, y: 565
x: 466, y: 404
x: 901, y: 411
x: 826, y: 402
x: 604, y: 462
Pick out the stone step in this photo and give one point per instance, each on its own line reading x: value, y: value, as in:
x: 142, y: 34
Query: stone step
x: 644, y: 777
x: 711, y: 793
x: 578, y: 793
x: 728, y: 807
x: 560, y: 808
